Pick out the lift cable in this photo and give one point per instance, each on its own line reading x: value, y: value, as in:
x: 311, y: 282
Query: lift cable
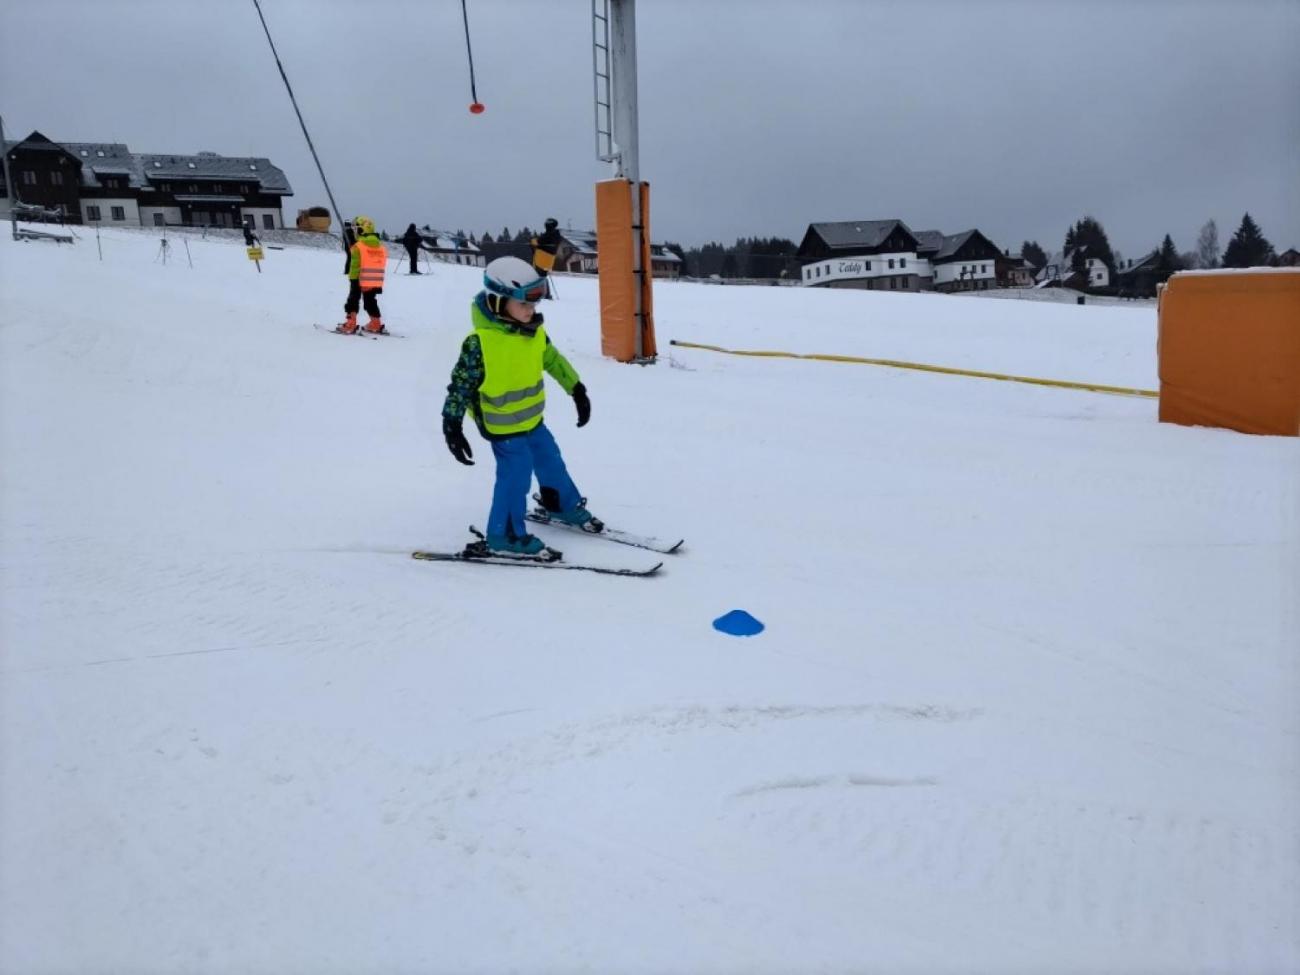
x: 289, y: 88
x: 476, y: 106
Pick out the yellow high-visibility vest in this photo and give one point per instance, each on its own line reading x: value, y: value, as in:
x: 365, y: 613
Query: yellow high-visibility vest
x: 513, y: 394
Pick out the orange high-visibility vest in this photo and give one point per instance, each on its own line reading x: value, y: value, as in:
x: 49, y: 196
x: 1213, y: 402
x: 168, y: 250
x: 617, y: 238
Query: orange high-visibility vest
x: 373, y: 260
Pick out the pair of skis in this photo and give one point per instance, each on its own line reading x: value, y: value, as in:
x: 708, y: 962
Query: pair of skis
x: 335, y: 330
x: 549, y: 558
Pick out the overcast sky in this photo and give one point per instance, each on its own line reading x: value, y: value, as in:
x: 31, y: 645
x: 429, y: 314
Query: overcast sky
x: 757, y: 116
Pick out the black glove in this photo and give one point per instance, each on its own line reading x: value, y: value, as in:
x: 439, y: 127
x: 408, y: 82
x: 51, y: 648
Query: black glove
x: 582, y: 403
x: 456, y: 441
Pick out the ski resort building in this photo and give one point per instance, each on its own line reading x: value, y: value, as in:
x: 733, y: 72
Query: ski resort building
x: 887, y: 255
x: 105, y: 183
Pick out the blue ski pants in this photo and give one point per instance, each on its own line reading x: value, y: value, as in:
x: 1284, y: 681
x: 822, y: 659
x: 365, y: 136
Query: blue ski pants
x: 518, y: 458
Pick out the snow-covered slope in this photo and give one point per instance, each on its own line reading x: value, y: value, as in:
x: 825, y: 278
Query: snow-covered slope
x: 1025, y: 701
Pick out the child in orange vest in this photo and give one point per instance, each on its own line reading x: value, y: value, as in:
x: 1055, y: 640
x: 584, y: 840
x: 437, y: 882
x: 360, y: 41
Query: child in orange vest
x: 365, y: 277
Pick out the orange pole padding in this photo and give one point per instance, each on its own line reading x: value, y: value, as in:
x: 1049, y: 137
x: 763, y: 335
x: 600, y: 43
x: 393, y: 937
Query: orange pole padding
x: 619, y: 283
x: 1229, y: 350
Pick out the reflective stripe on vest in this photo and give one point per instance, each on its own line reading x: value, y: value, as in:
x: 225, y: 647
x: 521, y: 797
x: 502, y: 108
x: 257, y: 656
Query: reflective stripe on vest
x: 373, y: 260
x: 513, y: 394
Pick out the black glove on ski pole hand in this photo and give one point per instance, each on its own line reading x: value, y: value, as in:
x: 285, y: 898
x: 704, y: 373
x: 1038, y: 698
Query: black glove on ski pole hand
x: 456, y: 441
x: 583, y: 404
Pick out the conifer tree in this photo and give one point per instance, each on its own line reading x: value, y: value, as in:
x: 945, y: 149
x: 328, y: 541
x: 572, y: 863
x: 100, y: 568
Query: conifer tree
x: 1248, y: 247
x: 1033, y: 253
x: 1167, y: 259
x: 1089, y: 236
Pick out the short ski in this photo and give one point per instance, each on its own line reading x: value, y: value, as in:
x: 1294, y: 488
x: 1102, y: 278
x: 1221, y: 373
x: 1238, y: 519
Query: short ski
x: 361, y: 332
x: 548, y: 558
x: 534, y: 563
x: 542, y: 517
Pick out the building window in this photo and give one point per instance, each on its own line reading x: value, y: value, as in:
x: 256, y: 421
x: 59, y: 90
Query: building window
x: 100, y: 153
x: 868, y: 265
x: 85, y: 152
x: 29, y: 177
x: 243, y: 188
x: 194, y: 187
x: 92, y: 213
x: 157, y: 219
x: 893, y: 284
x: 56, y: 179
x: 191, y: 165
x: 216, y: 187
x: 268, y: 222
x: 119, y: 213
x: 891, y: 263
x: 902, y: 262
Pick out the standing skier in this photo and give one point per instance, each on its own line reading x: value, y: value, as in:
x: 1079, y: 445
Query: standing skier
x: 545, y: 248
x: 413, y: 241
x: 365, y: 272
x: 498, y: 378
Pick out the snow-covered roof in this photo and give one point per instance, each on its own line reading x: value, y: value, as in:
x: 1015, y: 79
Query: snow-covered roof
x: 582, y: 241
x: 857, y: 233
x: 444, y: 241
x: 116, y: 159
x: 928, y: 242
x: 210, y: 166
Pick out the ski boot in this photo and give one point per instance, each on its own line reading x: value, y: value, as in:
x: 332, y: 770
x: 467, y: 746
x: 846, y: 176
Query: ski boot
x: 375, y: 327
x: 576, y: 517
x: 349, y: 327
x: 527, y: 548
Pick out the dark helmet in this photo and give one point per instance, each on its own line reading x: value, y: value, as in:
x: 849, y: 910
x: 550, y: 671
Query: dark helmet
x: 551, y: 223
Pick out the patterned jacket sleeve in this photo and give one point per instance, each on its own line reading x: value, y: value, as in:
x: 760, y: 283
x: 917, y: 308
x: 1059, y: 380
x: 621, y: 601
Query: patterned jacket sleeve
x: 466, y: 378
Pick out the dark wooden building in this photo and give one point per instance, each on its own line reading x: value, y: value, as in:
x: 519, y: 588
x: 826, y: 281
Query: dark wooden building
x: 45, y: 174
x: 965, y: 262
x: 106, y: 183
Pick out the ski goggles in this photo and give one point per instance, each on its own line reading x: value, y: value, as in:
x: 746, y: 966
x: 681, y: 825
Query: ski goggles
x: 531, y: 293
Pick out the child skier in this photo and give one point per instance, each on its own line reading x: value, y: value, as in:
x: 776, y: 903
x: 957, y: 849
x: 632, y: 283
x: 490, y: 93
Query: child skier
x: 365, y: 277
x: 498, y: 378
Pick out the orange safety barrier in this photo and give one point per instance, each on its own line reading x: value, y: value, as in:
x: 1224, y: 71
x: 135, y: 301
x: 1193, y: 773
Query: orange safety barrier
x: 619, y: 283
x: 1229, y: 350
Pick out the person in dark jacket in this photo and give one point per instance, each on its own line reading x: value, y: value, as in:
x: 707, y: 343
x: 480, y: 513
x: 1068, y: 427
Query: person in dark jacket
x: 413, y: 242
x: 545, y: 246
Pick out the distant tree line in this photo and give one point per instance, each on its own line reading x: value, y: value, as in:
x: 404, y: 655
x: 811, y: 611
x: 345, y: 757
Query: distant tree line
x: 748, y: 257
x: 774, y: 257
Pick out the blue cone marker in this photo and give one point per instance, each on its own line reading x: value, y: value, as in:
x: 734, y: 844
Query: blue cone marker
x: 738, y: 623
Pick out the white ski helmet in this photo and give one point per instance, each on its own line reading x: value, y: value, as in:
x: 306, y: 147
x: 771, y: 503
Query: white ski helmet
x: 511, y: 277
